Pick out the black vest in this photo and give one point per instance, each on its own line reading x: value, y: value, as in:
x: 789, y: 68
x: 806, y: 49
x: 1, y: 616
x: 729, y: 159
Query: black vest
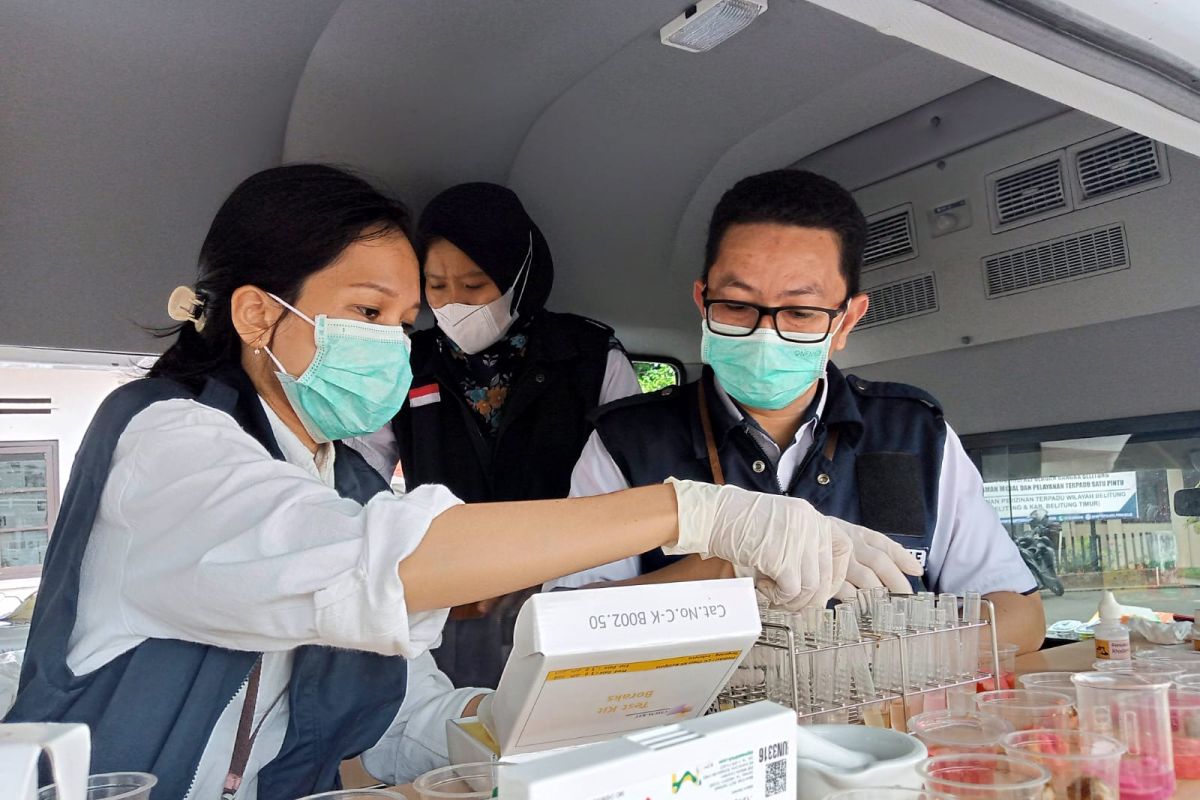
x: 544, y: 426
x: 658, y: 436
x: 153, y: 708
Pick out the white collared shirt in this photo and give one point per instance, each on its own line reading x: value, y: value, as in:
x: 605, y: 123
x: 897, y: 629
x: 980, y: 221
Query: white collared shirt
x: 970, y: 549
x: 202, y: 536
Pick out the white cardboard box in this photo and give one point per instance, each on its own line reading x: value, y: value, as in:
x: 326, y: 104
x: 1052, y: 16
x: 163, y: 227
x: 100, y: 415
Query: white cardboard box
x: 596, y: 663
x: 744, y: 754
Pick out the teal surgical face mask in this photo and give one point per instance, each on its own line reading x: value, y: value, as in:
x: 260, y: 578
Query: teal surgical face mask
x: 357, y: 380
x: 762, y: 370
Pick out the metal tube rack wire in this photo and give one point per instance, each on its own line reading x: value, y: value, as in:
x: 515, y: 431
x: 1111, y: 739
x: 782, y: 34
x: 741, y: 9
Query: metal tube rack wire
x: 871, y: 677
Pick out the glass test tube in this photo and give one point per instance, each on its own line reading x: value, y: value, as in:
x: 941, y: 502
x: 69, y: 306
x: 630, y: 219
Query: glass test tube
x: 972, y: 607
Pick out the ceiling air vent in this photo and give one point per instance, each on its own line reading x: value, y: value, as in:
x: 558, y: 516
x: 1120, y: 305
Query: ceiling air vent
x: 1067, y: 258
x: 1028, y: 193
x: 899, y: 300
x: 25, y: 405
x: 1116, y: 164
x: 891, y: 238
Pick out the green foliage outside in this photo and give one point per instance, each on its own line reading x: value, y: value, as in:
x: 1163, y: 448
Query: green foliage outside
x: 653, y: 375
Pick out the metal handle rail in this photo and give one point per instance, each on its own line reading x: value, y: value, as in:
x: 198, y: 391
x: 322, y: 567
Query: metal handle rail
x: 876, y: 647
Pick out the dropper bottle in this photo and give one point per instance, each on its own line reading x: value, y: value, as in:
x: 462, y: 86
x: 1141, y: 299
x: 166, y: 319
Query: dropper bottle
x: 1112, y: 638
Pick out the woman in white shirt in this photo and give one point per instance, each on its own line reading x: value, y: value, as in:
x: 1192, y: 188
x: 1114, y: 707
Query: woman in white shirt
x: 232, y: 598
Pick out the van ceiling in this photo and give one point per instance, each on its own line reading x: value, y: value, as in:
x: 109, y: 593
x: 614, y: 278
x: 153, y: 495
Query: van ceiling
x: 126, y: 124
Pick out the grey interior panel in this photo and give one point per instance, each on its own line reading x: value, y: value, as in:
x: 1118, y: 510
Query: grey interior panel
x: 123, y: 126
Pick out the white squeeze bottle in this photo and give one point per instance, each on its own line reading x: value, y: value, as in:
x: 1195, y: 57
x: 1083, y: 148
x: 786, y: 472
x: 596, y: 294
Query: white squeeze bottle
x: 1112, y: 638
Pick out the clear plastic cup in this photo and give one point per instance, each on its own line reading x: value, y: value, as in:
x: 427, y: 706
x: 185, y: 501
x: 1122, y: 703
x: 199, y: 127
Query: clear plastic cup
x: 1134, y: 709
x: 888, y: 793
x: 1160, y: 650
x: 947, y: 732
x: 977, y: 776
x: 356, y: 794
x: 1187, y: 660
x: 1048, y: 681
x: 1008, y: 666
x: 1185, y: 726
x: 1029, y: 709
x: 1081, y: 764
x: 1157, y: 667
x: 111, y: 786
x: 459, y: 782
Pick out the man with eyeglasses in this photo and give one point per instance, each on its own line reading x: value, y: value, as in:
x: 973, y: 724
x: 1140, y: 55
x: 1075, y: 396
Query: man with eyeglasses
x: 780, y: 292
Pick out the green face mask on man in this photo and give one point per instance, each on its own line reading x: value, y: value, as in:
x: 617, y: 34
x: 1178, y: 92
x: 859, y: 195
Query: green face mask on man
x: 762, y: 370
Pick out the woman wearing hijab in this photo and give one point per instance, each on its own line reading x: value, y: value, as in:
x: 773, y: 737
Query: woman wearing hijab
x: 502, y: 387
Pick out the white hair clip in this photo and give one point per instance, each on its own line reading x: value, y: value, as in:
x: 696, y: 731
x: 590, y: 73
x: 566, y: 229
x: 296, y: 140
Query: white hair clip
x: 185, y: 305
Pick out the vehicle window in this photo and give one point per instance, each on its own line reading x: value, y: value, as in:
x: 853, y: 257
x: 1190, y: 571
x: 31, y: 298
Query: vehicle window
x: 28, y: 504
x: 1095, y: 512
x: 656, y: 373
x: 45, y: 408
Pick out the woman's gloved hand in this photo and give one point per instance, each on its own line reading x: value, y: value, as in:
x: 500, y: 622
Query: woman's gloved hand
x: 801, y: 555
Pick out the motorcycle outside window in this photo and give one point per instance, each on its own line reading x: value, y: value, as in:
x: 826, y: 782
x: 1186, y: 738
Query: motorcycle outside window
x: 1090, y: 508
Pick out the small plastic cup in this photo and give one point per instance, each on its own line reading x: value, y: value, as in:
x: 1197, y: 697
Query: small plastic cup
x: 1008, y: 666
x: 984, y: 777
x: 356, y: 794
x: 1158, y: 667
x: 947, y: 732
x: 1029, y: 709
x: 460, y: 782
x: 1133, y: 708
x: 111, y: 786
x: 1185, y: 726
x: 1081, y: 764
x: 1048, y: 681
x: 1187, y: 660
x: 886, y: 793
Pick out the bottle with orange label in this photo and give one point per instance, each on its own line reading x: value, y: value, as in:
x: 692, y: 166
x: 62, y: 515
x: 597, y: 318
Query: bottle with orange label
x: 1112, y: 638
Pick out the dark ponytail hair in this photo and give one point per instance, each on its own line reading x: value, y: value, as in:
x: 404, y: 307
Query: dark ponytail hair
x: 277, y: 228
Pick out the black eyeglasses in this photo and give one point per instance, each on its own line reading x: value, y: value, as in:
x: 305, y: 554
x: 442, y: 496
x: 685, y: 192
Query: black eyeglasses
x: 792, y: 323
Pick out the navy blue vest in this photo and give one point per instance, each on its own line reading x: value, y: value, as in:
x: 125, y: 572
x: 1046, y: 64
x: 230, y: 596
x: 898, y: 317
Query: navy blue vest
x: 153, y: 708
x: 658, y: 436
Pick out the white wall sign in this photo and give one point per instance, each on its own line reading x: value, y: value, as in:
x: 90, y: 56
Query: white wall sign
x: 1109, y: 495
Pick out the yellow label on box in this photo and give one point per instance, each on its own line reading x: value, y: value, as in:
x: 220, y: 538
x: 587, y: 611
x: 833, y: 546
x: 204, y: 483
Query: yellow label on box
x: 480, y: 734
x: 641, y: 666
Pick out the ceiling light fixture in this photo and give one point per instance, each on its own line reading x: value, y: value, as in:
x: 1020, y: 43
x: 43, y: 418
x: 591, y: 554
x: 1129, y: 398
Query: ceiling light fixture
x: 706, y: 24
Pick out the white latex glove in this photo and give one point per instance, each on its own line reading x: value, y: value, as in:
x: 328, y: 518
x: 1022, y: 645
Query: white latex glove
x: 801, y: 554
x: 877, y: 561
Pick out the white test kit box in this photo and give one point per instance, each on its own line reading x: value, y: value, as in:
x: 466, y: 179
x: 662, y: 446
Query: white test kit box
x: 592, y: 664
x: 744, y: 754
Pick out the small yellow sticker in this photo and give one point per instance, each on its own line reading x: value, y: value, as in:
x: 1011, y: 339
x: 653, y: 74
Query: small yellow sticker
x: 641, y: 666
x: 479, y: 733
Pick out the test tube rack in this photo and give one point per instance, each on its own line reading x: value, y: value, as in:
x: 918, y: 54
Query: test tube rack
x: 869, y: 661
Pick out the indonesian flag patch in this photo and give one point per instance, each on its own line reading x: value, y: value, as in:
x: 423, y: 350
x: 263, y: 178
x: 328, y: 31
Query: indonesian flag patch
x: 424, y: 395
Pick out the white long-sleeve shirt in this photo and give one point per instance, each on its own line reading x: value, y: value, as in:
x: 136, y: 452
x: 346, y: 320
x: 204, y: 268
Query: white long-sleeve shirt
x: 202, y: 536
x: 970, y: 549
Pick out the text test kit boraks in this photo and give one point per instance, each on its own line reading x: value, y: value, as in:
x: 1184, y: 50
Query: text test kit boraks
x: 594, y: 664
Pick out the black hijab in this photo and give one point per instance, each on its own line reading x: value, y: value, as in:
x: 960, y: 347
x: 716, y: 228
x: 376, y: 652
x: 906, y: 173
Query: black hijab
x: 489, y: 224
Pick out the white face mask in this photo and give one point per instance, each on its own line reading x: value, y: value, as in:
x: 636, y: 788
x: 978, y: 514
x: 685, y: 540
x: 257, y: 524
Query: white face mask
x: 476, y: 328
